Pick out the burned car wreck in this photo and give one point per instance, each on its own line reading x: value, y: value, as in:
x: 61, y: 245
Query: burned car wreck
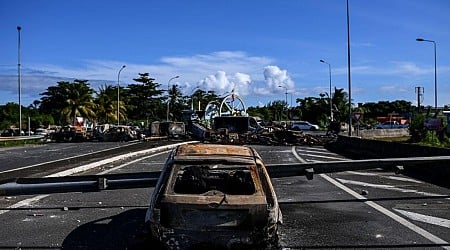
x: 216, y: 196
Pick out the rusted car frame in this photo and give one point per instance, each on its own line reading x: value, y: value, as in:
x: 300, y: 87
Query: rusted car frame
x: 217, y: 196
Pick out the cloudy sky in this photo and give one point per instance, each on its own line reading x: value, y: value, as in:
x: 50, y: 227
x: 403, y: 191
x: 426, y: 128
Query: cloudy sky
x: 253, y: 47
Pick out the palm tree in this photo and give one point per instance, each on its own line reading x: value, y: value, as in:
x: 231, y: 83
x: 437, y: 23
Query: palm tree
x: 79, y: 101
x: 176, y: 102
x: 340, y: 105
x: 106, y: 102
x: 68, y: 100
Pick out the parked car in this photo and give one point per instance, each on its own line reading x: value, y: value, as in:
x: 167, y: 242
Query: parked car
x: 304, y: 125
x: 41, y: 131
x: 390, y: 125
x: 213, y: 196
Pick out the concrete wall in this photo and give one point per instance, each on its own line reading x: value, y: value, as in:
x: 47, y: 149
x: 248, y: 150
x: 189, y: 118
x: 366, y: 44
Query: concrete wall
x: 360, y: 148
x: 374, y: 133
x: 369, y: 148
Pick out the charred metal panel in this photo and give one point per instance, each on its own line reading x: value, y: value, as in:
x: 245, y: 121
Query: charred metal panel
x: 213, y: 150
x: 234, y: 124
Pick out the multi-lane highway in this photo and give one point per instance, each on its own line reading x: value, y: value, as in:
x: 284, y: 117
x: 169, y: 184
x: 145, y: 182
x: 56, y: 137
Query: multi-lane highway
x: 367, y: 209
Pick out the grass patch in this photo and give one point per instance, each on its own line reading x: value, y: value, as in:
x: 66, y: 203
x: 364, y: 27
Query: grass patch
x: 18, y: 143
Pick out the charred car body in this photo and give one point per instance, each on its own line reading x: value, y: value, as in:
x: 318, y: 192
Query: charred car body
x: 214, y: 196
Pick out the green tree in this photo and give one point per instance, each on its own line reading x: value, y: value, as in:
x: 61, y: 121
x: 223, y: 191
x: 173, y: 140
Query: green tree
x: 340, y: 105
x: 145, y: 100
x: 106, y: 102
x: 176, y: 103
x: 9, y: 115
x: 68, y: 100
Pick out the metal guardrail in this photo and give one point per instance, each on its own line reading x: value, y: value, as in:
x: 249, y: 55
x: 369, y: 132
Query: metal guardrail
x: 21, y: 138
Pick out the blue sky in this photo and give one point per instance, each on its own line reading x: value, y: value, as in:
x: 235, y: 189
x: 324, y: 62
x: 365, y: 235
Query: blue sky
x: 252, y: 46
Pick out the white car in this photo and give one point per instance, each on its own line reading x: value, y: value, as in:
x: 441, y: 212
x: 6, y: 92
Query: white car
x: 41, y: 131
x: 304, y: 125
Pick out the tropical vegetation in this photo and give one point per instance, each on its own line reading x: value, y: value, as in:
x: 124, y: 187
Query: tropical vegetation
x: 145, y: 101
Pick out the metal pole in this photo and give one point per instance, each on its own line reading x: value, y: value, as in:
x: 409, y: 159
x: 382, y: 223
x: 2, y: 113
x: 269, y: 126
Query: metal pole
x: 349, y: 76
x: 287, y: 106
x: 118, y: 95
x: 286, y: 93
x: 435, y: 70
x: 435, y: 79
x: 19, y: 82
x: 330, y: 96
x: 168, y: 97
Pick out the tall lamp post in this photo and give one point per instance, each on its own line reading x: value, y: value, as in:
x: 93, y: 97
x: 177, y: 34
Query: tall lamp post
x: 349, y: 75
x: 329, y: 97
x: 168, y: 96
x: 118, y: 95
x: 192, y: 96
x: 286, y: 93
x: 19, y: 81
x: 435, y: 71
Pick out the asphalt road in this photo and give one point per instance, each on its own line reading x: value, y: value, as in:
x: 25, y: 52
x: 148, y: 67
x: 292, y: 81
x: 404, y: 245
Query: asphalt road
x: 326, y: 212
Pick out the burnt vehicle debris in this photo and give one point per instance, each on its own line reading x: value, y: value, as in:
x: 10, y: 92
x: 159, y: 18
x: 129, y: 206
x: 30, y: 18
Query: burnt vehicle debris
x: 228, y: 122
x: 215, y: 196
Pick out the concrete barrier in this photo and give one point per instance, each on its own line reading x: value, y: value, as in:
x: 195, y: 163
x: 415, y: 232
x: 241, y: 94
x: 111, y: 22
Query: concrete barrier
x: 378, y: 133
x: 360, y: 148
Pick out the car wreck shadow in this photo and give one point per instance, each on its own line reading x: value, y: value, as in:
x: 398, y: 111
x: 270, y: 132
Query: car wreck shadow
x: 122, y: 231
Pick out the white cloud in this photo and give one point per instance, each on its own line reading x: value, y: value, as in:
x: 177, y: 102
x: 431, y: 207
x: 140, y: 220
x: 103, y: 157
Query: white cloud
x: 394, y: 89
x: 274, y: 77
x: 223, y: 83
x: 218, y: 71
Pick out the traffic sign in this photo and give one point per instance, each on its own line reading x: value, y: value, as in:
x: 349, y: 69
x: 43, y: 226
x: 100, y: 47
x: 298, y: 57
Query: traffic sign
x: 357, y: 116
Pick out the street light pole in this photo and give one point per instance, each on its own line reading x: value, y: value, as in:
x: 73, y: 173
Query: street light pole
x: 286, y: 93
x: 19, y: 81
x: 168, y: 96
x: 118, y: 95
x: 435, y: 71
x: 192, y: 96
x: 329, y: 97
x: 349, y: 75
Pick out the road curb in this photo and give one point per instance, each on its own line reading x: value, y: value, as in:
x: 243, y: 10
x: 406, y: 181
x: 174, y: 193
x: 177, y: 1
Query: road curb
x: 115, y: 159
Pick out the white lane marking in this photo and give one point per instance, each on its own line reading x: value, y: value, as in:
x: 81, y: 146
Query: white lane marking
x: 113, y: 159
x: 318, y: 151
x: 68, y: 158
x: 425, y: 218
x: 29, y: 201
x: 294, y: 152
x: 361, y: 173
x: 313, y: 149
x: 386, y: 187
x: 402, y: 179
x: 323, y: 156
x: 431, y: 237
x: 134, y: 161
x: 384, y: 176
x: 26, y: 202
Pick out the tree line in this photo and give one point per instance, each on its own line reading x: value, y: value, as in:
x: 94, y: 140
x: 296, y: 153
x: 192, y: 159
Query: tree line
x: 145, y: 101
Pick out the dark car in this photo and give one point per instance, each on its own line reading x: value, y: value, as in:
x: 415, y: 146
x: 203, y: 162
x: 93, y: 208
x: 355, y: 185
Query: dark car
x: 214, y: 196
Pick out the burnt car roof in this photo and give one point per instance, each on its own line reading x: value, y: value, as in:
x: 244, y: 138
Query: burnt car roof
x: 213, y: 149
x: 211, y: 152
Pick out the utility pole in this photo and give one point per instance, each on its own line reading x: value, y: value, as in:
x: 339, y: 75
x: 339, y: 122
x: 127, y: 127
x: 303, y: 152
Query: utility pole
x: 419, y: 91
x: 19, y: 82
